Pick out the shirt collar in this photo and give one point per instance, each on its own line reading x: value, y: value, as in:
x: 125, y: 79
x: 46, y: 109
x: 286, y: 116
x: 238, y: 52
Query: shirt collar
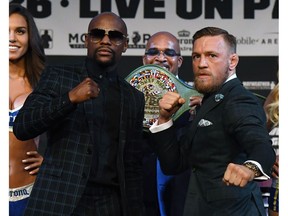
x: 233, y: 76
x: 95, y: 71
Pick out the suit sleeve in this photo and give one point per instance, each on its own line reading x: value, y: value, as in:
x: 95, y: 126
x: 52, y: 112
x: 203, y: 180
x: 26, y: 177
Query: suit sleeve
x: 44, y: 107
x: 171, y: 152
x: 245, y: 120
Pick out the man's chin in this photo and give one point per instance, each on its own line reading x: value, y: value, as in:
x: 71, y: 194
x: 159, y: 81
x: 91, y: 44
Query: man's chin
x: 206, y: 88
x: 202, y: 89
x: 105, y: 61
x: 201, y: 85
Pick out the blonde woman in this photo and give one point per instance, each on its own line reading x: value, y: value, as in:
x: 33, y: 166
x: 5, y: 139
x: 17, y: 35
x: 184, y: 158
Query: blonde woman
x: 272, y: 111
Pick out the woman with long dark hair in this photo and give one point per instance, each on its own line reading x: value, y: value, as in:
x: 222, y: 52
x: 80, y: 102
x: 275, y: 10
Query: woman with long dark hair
x: 26, y: 62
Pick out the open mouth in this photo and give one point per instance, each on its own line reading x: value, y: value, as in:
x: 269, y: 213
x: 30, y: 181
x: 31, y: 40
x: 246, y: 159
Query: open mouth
x: 13, y: 48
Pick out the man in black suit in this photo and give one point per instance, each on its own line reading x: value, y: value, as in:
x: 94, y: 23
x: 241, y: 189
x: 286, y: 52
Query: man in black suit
x: 227, y: 145
x: 93, y: 118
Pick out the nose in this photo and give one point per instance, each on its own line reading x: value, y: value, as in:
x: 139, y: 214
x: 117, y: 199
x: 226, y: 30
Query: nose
x: 161, y: 56
x: 202, y: 62
x: 105, y: 39
x: 12, y: 37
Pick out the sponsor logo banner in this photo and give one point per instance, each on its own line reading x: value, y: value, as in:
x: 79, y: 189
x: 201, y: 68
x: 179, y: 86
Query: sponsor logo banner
x: 63, y: 24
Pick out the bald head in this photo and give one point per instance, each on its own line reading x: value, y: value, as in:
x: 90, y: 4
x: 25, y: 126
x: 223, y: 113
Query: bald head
x: 163, y: 44
x: 106, y: 18
x: 164, y: 36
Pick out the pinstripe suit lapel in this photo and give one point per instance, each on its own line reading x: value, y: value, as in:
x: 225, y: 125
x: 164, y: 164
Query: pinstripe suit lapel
x: 208, y: 105
x: 205, y: 107
x: 88, y: 109
x: 88, y: 105
x: 124, y: 107
x: 123, y: 110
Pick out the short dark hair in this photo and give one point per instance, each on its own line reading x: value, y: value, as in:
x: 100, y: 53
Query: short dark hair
x: 214, y: 31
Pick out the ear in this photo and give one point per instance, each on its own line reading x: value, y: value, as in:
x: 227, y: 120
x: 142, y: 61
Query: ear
x: 86, y: 41
x: 233, y: 61
x: 125, y: 45
x: 144, y: 60
x: 180, y: 61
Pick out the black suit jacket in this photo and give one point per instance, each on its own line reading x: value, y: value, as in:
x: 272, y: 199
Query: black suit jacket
x: 229, y: 127
x: 67, y: 160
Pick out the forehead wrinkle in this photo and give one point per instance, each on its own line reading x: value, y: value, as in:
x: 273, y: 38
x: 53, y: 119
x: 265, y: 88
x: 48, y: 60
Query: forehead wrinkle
x: 207, y: 45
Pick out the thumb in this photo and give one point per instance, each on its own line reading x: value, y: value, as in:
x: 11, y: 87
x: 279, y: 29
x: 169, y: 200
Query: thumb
x: 181, y: 101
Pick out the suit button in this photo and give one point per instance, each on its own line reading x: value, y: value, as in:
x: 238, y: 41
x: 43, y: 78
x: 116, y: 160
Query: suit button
x: 84, y: 176
x: 88, y: 151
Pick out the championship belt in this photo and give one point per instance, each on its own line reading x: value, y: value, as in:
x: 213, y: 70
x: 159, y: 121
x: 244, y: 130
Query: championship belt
x: 154, y: 81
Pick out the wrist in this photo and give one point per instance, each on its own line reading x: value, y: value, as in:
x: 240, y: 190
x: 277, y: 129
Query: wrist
x: 162, y: 120
x: 254, y: 168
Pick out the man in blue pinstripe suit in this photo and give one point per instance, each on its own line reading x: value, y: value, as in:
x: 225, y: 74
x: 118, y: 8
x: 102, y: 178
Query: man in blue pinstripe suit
x: 93, y: 119
x: 227, y: 145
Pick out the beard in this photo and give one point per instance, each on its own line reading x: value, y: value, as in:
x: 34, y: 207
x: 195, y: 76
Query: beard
x: 210, y: 84
x: 104, y: 61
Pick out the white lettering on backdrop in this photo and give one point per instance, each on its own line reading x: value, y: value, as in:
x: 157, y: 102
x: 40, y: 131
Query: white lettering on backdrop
x: 63, y: 23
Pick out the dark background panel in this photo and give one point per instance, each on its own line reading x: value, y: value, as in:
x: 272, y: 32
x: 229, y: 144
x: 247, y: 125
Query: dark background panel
x: 264, y: 68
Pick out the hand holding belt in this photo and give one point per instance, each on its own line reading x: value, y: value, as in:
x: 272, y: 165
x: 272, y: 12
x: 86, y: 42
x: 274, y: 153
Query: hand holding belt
x: 154, y: 81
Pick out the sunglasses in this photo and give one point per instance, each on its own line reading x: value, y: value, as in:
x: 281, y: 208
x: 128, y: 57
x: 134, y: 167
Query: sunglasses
x: 115, y: 37
x: 166, y: 52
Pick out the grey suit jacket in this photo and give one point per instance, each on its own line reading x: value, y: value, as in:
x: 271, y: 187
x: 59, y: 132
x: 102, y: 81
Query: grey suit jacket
x: 229, y: 127
x: 67, y: 160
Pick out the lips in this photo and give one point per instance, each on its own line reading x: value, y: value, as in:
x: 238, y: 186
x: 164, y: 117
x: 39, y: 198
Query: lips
x: 202, y: 75
x: 166, y: 67
x: 104, y: 51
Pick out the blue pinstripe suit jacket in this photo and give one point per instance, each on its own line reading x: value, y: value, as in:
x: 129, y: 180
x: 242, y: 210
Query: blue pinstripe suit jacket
x: 235, y: 131
x: 67, y: 160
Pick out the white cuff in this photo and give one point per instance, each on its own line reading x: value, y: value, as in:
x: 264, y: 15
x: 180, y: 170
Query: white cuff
x: 264, y: 175
x: 157, y: 128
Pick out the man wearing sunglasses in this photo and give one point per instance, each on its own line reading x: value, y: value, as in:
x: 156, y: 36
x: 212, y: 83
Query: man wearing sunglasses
x: 163, y: 49
x: 94, y: 120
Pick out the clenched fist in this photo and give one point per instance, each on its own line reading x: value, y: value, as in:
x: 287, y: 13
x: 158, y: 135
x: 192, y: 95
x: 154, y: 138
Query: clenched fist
x: 168, y: 105
x: 86, y: 90
x: 237, y: 175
